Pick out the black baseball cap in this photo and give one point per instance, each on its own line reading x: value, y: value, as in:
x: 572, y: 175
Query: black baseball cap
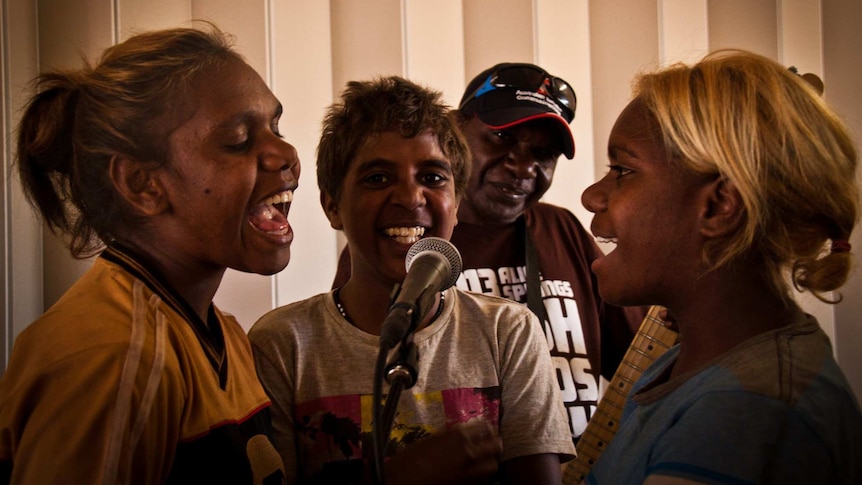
x: 509, y: 94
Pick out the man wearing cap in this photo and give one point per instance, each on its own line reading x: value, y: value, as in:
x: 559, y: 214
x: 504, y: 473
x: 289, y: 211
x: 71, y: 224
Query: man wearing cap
x: 515, y: 117
x: 516, y: 120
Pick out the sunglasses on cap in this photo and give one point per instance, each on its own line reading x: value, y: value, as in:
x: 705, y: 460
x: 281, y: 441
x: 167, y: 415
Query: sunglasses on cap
x: 528, y: 78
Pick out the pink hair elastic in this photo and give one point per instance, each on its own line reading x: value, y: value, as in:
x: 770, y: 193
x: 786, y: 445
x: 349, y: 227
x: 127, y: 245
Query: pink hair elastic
x: 840, y: 246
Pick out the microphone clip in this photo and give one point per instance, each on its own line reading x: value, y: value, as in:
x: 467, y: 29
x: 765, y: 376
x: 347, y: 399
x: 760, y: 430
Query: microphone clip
x: 400, y: 373
x: 403, y: 361
x: 403, y: 364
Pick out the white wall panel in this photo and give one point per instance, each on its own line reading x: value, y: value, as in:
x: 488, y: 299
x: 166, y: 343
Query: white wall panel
x: 562, y: 32
x: 134, y: 16
x: 302, y: 80
x: 800, y: 37
x: 366, y: 40
x: 21, y: 230
x: 434, y: 45
x: 68, y: 32
x: 745, y: 24
x: 247, y: 21
x: 683, y: 30
x: 623, y: 41
x: 7, y: 329
x: 497, y: 31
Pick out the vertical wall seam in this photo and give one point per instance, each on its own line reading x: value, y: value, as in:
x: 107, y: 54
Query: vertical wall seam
x: 821, y: 66
x: 779, y: 31
x: 115, y: 21
x: 7, y: 185
x: 662, y: 38
x: 269, y: 45
x: 535, y: 33
x: 405, y: 45
x: 706, y: 24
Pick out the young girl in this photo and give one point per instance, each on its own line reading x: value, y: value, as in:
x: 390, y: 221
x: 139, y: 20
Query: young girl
x: 391, y: 168
x: 167, y: 155
x: 726, y: 177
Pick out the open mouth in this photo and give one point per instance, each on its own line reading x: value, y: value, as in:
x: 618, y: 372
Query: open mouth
x: 511, y: 191
x: 405, y: 235
x: 608, y: 244
x: 270, y: 216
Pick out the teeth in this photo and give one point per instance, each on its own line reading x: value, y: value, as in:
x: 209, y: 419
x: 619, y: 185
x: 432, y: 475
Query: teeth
x: 405, y: 231
x: 406, y: 235
x: 270, y: 215
x: 605, y: 240
x: 284, y: 197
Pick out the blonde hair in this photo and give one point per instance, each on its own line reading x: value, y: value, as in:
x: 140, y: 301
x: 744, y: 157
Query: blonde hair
x: 764, y: 129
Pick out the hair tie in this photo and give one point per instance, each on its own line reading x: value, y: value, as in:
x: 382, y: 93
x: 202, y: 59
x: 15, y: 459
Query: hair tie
x: 840, y: 246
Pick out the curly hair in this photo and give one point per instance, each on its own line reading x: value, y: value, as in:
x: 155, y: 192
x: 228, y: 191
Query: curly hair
x: 384, y: 104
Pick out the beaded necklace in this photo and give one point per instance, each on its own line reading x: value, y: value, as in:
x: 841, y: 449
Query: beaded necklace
x: 336, y: 296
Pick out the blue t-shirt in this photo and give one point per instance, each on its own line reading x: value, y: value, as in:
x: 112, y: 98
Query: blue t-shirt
x: 775, y: 409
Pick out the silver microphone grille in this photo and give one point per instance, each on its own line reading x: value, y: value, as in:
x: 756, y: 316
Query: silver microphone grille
x: 442, y: 246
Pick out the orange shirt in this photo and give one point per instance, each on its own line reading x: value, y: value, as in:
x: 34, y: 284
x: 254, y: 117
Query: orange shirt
x: 113, y: 385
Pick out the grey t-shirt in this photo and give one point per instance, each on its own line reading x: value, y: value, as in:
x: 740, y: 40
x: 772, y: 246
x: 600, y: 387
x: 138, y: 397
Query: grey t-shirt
x: 484, y: 358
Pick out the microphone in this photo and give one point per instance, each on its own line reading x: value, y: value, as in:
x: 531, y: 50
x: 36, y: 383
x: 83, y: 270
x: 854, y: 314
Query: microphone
x: 433, y: 265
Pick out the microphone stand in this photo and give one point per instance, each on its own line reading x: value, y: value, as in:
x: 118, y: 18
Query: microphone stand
x: 436, y: 267
x: 400, y: 372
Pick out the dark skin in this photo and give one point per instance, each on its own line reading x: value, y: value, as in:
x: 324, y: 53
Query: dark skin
x: 512, y: 169
x: 392, y: 183
x: 226, y: 157
x: 396, y: 182
x: 661, y: 235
